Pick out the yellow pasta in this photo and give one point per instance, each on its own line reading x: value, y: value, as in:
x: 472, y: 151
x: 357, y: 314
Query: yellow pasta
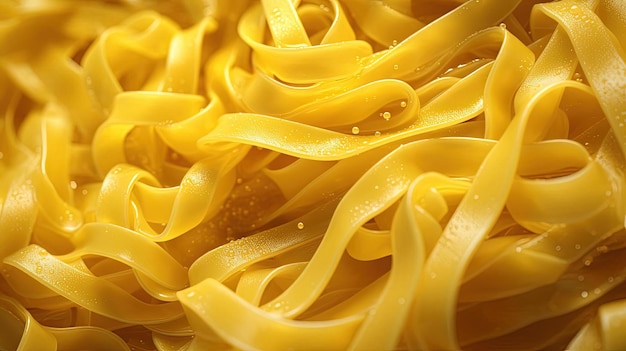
x: 312, y: 175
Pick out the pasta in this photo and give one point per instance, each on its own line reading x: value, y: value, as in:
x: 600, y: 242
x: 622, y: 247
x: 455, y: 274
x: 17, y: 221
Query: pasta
x: 312, y: 175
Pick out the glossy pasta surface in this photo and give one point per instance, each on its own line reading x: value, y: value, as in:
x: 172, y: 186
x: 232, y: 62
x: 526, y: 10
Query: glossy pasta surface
x: 312, y: 175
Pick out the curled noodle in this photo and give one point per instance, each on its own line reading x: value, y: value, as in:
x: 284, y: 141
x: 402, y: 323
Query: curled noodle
x: 312, y: 175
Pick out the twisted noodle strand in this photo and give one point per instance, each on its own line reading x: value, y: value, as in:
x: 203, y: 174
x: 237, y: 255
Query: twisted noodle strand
x: 312, y: 175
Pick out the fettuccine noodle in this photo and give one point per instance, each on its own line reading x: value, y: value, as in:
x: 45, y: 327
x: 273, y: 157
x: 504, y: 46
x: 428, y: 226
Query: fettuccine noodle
x: 312, y: 175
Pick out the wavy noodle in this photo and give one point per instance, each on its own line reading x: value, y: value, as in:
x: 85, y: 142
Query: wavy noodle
x: 312, y: 175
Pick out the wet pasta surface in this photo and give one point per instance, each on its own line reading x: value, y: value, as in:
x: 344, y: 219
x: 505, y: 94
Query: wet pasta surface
x: 312, y: 175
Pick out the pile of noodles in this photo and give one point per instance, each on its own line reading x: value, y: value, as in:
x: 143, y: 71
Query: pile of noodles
x: 312, y: 175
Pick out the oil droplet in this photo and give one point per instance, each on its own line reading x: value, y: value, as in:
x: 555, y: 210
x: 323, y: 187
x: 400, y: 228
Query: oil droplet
x: 577, y: 77
x: 584, y: 294
x: 394, y: 42
x: 558, y: 248
x: 581, y: 278
x: 300, y: 225
x: 518, y: 249
x: 402, y: 104
x: 401, y: 301
x: 577, y: 246
x: 502, y: 25
x: 377, y: 133
x: 395, y: 67
x: 476, y: 197
x: 386, y: 115
x: 355, y: 130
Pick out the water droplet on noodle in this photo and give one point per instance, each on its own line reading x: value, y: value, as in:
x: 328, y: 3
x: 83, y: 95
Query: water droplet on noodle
x: 300, y: 225
x: 355, y: 130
